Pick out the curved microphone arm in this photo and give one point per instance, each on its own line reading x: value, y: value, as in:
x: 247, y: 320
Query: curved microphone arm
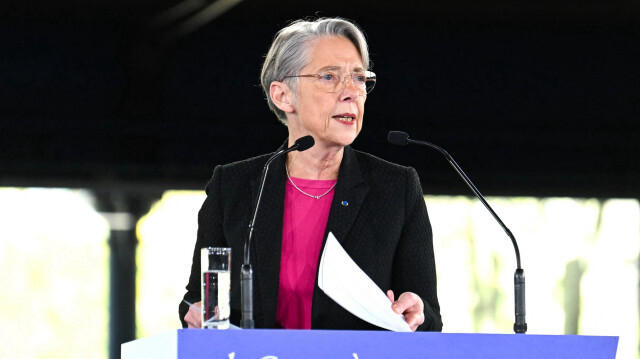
x: 265, y: 169
x: 520, y: 325
x: 475, y: 190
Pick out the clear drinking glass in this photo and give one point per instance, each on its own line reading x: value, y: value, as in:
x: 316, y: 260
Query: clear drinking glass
x: 215, y: 265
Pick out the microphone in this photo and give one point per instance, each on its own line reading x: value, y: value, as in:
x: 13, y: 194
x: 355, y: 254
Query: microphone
x: 520, y: 326
x: 303, y: 143
x: 246, y: 274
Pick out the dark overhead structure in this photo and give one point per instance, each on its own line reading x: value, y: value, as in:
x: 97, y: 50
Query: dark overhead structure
x: 532, y: 98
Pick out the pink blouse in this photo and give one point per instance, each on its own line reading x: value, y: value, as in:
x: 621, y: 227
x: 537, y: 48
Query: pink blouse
x: 304, y: 222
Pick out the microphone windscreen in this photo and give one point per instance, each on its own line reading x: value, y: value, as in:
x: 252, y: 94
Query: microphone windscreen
x: 398, y: 138
x: 305, y: 143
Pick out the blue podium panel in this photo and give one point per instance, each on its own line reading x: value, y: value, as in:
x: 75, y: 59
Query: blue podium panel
x: 288, y: 344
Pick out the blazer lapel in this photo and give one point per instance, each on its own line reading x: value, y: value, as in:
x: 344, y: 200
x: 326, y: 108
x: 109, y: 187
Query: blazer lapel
x: 347, y: 202
x: 348, y: 198
x: 267, y: 239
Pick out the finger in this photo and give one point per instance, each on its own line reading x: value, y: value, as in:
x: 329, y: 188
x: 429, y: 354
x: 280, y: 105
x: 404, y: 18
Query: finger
x: 414, y: 319
x: 194, y: 316
x: 408, y: 302
x: 412, y: 307
x: 390, y: 295
x: 191, y: 321
x: 192, y: 326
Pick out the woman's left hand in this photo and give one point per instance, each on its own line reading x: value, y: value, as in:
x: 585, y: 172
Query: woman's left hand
x: 411, y: 306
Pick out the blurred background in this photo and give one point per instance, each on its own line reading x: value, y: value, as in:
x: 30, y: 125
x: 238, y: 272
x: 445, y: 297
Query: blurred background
x: 114, y: 113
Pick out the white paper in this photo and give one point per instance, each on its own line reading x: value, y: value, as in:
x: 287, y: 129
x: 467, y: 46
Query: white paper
x: 344, y: 282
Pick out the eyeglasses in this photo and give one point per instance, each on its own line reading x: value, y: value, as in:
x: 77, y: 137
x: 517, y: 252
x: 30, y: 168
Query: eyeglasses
x: 333, y: 81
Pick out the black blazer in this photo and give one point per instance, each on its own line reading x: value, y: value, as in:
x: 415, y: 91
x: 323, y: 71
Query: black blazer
x: 378, y: 215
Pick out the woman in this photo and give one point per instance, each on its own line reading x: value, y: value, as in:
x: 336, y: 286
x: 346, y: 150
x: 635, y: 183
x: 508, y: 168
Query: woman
x: 316, y: 81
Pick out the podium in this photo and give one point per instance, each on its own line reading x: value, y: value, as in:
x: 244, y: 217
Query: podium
x: 284, y: 344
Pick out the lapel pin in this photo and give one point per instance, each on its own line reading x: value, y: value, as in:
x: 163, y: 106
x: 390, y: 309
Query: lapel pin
x: 345, y: 203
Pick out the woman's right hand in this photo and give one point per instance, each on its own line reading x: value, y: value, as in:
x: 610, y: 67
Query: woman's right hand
x: 194, y: 316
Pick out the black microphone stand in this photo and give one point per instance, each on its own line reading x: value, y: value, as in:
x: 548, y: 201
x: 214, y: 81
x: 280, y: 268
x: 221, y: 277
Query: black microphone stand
x: 520, y: 325
x: 246, y: 273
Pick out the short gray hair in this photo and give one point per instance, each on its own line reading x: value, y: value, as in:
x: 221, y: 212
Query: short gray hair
x: 289, y: 51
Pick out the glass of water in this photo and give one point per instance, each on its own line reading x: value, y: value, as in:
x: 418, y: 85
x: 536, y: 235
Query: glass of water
x: 215, y: 265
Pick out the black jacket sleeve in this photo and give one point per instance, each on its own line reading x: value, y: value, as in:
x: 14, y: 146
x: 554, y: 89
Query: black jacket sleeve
x: 414, y: 263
